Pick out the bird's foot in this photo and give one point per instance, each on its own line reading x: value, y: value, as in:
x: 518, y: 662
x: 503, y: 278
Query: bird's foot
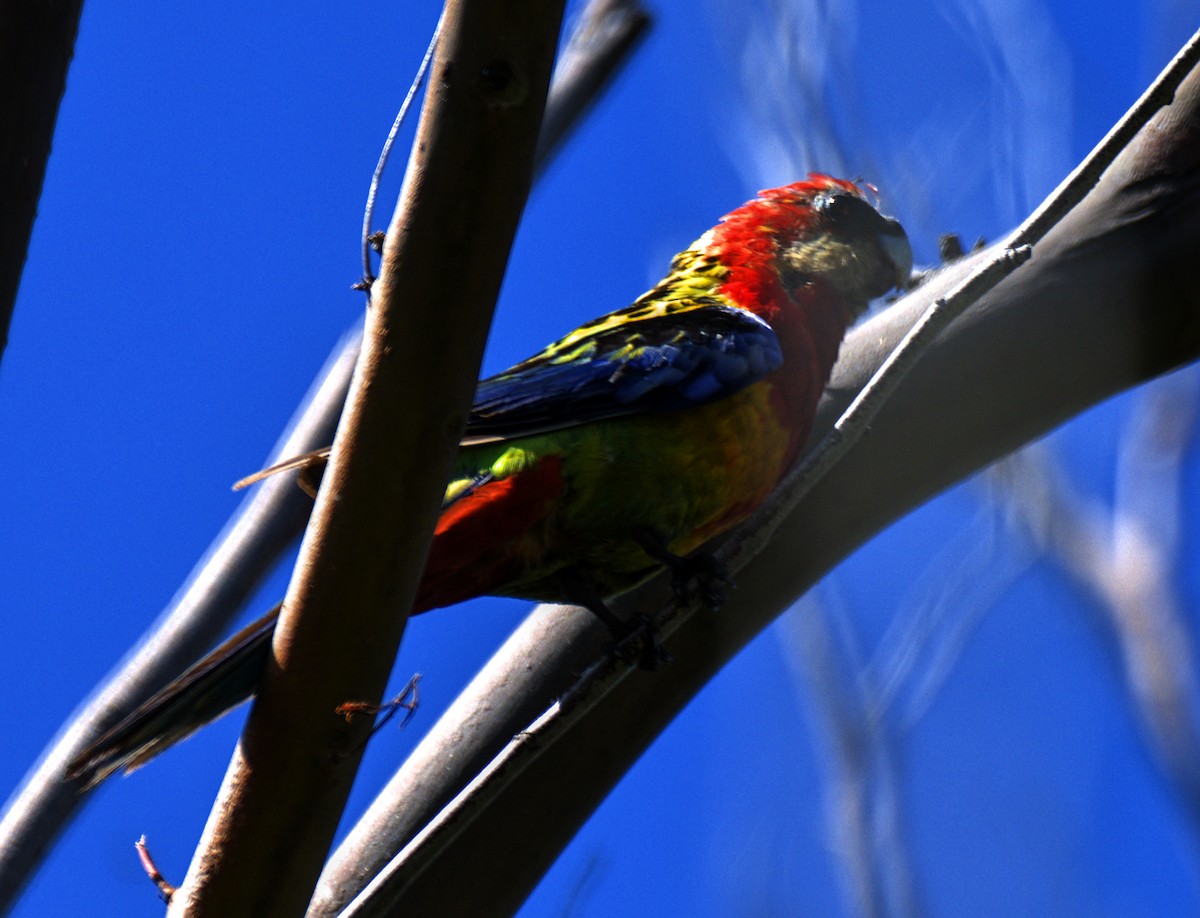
x: 635, y: 641
x: 639, y: 644
x: 698, y: 575
x: 702, y: 575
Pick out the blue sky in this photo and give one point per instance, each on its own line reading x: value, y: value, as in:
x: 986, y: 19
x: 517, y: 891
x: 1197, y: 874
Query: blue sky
x: 191, y: 268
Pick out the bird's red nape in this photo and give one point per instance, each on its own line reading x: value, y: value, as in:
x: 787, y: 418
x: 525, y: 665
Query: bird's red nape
x: 747, y: 240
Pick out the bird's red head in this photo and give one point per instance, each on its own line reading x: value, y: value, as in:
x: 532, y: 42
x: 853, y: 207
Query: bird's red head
x: 820, y: 231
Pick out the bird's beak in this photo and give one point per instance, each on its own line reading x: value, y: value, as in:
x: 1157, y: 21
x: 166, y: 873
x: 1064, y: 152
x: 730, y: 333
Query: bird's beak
x: 895, y: 245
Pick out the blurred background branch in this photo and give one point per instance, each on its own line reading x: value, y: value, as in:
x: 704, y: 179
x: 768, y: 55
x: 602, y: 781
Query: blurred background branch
x: 1125, y: 558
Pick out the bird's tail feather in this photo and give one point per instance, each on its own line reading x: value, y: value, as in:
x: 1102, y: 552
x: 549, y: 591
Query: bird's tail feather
x: 221, y: 681
x: 314, y: 460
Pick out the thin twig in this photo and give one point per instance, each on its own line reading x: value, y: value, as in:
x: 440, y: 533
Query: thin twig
x: 165, y: 889
x: 386, y: 152
x: 408, y: 699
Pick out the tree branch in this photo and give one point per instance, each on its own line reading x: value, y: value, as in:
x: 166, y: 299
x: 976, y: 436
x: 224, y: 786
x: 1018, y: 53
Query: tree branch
x: 607, y: 33
x: 342, y: 619
x: 1109, y: 300
x: 37, y: 42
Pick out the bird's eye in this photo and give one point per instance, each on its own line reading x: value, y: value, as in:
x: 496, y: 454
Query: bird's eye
x: 844, y: 211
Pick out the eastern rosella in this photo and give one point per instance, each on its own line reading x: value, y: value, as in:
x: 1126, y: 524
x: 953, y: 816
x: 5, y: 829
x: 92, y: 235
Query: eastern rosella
x: 670, y: 420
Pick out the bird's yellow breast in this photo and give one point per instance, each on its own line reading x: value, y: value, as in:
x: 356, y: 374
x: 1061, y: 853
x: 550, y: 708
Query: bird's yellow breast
x: 683, y: 477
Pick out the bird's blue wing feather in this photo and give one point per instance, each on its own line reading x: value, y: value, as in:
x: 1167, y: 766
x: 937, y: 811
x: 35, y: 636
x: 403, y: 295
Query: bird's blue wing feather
x: 661, y: 363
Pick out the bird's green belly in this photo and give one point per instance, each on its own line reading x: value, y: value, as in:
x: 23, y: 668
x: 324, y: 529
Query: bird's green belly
x: 681, y: 478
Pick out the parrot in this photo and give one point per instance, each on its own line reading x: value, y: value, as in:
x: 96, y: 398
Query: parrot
x: 623, y: 446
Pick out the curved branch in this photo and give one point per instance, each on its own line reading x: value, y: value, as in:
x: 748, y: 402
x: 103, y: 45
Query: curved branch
x: 1109, y: 300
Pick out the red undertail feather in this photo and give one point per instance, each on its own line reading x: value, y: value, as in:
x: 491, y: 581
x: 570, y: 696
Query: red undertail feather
x: 478, y: 543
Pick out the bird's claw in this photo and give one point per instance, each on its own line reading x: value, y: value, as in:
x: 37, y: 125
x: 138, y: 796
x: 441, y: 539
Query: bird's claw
x: 640, y: 646
x: 698, y: 574
x: 701, y: 575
